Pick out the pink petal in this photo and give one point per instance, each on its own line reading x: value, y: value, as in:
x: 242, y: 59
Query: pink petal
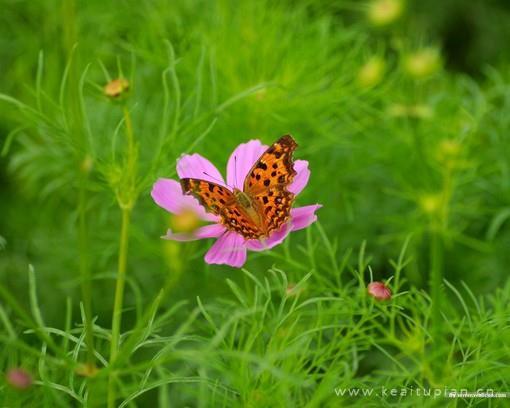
x: 301, y: 178
x: 207, y: 231
x: 168, y: 194
x: 242, y: 160
x: 276, y: 238
x: 229, y: 249
x: 196, y: 166
x: 302, y: 217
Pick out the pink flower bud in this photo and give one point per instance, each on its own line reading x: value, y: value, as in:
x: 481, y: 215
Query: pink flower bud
x: 379, y: 291
x: 19, y: 378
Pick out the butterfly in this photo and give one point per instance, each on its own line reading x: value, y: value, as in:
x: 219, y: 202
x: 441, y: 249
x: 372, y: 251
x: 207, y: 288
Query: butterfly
x: 264, y: 204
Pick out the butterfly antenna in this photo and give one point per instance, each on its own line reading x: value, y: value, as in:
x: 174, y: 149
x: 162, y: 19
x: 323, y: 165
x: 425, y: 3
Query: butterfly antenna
x: 214, y: 178
x: 235, y: 170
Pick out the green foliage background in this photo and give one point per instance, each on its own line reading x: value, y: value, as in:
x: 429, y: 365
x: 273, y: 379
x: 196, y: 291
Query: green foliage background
x: 411, y: 167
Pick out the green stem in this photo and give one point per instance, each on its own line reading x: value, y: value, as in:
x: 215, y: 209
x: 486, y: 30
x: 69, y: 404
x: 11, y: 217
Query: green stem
x: 119, y: 296
x: 436, y: 279
x: 129, y: 133
x: 69, y: 40
x: 86, y: 289
x: 436, y: 274
x: 126, y: 196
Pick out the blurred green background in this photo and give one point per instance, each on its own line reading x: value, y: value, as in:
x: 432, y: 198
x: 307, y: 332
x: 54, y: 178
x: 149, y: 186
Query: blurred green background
x: 401, y: 108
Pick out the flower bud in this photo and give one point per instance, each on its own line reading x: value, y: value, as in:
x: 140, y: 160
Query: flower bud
x: 450, y: 155
x: 87, y: 164
x: 384, y: 12
x: 449, y: 148
x: 379, y: 291
x: 430, y: 203
x: 411, y: 111
x: 87, y: 370
x: 422, y: 63
x: 372, y: 72
x: 421, y: 111
x: 116, y: 88
x: 19, y: 378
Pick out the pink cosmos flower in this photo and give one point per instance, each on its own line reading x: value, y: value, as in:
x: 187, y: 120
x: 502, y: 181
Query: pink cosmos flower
x: 230, y: 247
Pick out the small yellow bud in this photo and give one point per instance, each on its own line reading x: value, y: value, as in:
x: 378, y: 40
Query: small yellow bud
x: 448, y: 152
x: 449, y: 148
x: 187, y: 221
x: 411, y: 111
x: 116, y: 88
x: 397, y: 110
x: 87, y: 370
x: 430, y: 203
x: 372, y: 72
x: 384, y: 12
x: 87, y: 164
x: 422, y: 63
x: 421, y: 111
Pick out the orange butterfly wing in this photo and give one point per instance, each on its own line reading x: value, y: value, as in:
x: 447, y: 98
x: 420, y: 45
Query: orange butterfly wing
x: 221, y: 201
x: 268, y: 180
x: 211, y: 195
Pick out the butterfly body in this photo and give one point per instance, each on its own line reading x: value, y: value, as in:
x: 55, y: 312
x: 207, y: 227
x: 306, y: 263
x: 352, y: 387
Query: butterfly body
x: 251, y: 208
x: 264, y: 204
x: 243, y: 198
